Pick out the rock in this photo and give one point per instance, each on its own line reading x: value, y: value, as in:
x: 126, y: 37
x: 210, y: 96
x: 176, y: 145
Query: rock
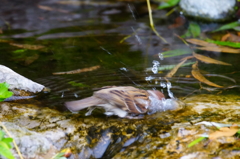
x: 16, y: 81
x: 31, y: 144
x: 160, y: 135
x: 214, y: 10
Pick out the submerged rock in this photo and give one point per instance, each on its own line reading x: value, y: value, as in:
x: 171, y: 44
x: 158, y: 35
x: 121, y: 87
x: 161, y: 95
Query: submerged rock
x: 214, y: 10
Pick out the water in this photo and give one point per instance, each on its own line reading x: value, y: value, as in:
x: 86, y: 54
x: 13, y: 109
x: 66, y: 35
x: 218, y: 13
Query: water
x: 116, y: 36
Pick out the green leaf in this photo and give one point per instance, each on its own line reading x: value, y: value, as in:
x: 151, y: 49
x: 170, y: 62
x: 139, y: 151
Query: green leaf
x: 170, y: 3
x: 77, y: 84
x: 19, y: 51
x: 177, y: 52
x: 1, y: 135
x: 8, y: 141
x: 196, y: 141
x: 4, y: 93
x: 168, y: 67
x: 227, y: 26
x: 225, y: 43
x: 6, y: 152
x: 59, y: 156
x: 238, y: 132
x: 194, y: 30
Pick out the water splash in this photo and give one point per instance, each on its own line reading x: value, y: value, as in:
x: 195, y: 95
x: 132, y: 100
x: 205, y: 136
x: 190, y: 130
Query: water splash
x: 163, y: 84
x: 169, y: 86
x: 160, y: 55
x: 62, y: 94
x: 149, y: 78
x: 75, y: 95
x: 155, y: 66
x: 162, y: 105
x: 105, y: 50
x: 130, y: 8
x: 124, y: 69
x: 136, y: 36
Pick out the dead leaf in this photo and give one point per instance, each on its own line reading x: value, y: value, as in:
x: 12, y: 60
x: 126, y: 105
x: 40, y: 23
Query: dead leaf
x: 196, y: 74
x: 174, y: 70
x: 225, y: 37
x: 224, y: 131
x: 179, y: 21
x: 4, y: 41
x: 230, y: 37
x: 200, y: 42
x: 31, y: 59
x: 219, y: 49
x: 212, y: 47
x: 28, y: 46
x: 187, y: 58
x: 52, y: 9
x: 78, y: 70
x: 208, y: 59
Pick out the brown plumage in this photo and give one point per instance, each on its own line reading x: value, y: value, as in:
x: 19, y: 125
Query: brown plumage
x: 121, y: 101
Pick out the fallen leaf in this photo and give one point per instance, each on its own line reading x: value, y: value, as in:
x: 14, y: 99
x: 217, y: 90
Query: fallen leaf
x: 67, y: 152
x: 193, y: 30
x: 200, y: 42
x: 174, y: 70
x: 212, y: 47
x: 196, y: 141
x: 52, y: 9
x: 225, y: 37
x: 196, y: 74
x: 220, y: 49
x: 177, y: 52
x: 4, y: 41
x: 28, y: 46
x: 78, y: 70
x: 208, y: 59
x: 231, y: 37
x: 179, y: 21
x: 31, y: 59
x: 224, y: 131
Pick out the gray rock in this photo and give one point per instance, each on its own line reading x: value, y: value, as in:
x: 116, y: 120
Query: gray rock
x: 31, y: 144
x: 215, y: 10
x: 17, y: 81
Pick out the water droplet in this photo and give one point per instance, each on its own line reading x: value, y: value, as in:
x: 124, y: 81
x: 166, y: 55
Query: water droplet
x: 155, y: 69
x: 160, y: 55
x: 149, y: 78
x: 162, y: 84
x: 156, y: 63
x: 124, y: 69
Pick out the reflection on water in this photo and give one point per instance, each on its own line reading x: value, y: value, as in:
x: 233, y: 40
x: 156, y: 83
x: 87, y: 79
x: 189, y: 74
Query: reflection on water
x: 113, y: 35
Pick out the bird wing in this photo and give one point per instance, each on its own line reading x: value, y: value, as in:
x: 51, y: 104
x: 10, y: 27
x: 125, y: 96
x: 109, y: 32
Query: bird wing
x: 130, y: 99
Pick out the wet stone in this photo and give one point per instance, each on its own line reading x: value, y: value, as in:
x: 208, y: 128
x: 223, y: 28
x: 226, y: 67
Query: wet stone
x: 160, y: 135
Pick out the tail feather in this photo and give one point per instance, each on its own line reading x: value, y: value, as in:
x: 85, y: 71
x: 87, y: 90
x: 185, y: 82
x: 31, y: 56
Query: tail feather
x: 77, y: 105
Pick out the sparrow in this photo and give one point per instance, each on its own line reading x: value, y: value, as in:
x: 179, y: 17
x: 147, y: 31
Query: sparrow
x: 123, y: 101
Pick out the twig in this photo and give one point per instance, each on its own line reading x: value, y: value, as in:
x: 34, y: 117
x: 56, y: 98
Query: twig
x: 18, y: 151
x: 151, y: 22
